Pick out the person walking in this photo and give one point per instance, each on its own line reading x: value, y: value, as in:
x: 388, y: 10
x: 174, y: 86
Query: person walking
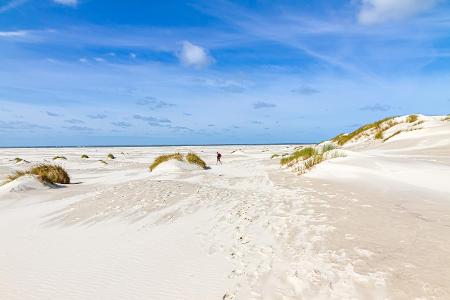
x: 219, y: 156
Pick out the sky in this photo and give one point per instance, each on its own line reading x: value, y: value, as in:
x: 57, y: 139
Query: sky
x: 102, y: 72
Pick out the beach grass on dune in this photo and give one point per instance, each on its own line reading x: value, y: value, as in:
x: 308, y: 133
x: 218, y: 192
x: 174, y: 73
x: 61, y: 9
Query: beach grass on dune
x: 195, y: 159
x: 163, y: 158
x: 59, y: 157
x: 341, y: 139
x: 412, y: 118
x: 84, y: 156
x: 274, y: 156
x: 45, y: 172
x: 297, y: 155
x: 103, y: 162
x: 18, y: 159
x: 191, y: 158
x: 111, y: 156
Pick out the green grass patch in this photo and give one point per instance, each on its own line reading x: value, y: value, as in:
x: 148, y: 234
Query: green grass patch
x: 59, y: 157
x: 196, y: 160
x: 341, y: 139
x: 45, y: 172
x: 327, y: 147
x: 297, y: 155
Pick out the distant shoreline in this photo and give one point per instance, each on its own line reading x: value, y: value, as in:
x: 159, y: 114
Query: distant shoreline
x: 144, y: 146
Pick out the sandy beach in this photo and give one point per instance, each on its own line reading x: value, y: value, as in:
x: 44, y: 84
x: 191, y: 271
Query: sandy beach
x: 372, y: 224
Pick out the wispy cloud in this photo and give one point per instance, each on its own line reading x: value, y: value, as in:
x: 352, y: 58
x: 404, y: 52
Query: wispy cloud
x: 152, y: 121
x: 11, y: 5
x: 305, y: 90
x: 378, y: 11
x: 376, y: 107
x: 153, y: 103
x: 17, y: 33
x: 74, y: 121
x: 97, y: 116
x: 19, y: 125
x: 52, y: 114
x: 78, y: 128
x: 261, y: 104
x: 67, y: 2
x: 121, y: 124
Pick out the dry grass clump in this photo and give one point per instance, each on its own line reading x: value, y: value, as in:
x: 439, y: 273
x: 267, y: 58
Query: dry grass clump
x: 412, y: 118
x: 84, y: 156
x: 195, y: 159
x: 45, y: 172
x: 341, y: 139
x: 18, y: 160
x: 111, y: 156
x: 59, y: 157
x: 297, y: 155
x: 447, y: 118
x: 163, y: 158
x: 103, y: 162
x: 274, y: 156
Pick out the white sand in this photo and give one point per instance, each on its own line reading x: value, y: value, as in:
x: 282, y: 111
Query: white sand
x: 372, y: 225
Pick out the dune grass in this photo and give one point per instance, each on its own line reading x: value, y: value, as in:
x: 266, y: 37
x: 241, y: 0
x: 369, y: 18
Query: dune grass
x: 327, y: 147
x: 447, y: 118
x: 59, y: 157
x: 196, y: 160
x: 163, y: 158
x: 392, y: 135
x: 274, y: 156
x: 45, y: 172
x: 191, y: 158
x: 341, y: 139
x: 103, y: 162
x: 18, y: 159
x: 84, y: 156
x: 412, y: 118
x: 111, y: 156
x: 297, y: 155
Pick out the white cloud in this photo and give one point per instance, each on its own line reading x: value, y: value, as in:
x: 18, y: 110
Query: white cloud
x: 193, y: 55
x: 13, y: 33
x: 11, y: 5
x: 378, y: 11
x: 67, y: 2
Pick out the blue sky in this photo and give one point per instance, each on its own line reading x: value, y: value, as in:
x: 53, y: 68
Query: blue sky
x: 99, y: 72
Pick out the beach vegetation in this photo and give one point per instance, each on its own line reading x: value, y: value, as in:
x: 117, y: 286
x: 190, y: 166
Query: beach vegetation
x: 18, y: 159
x: 327, y: 147
x: 103, y: 162
x: 412, y: 118
x: 59, y: 157
x: 297, y: 155
x: 47, y: 173
x: 111, y: 156
x: 191, y: 158
x: 342, y: 139
x: 196, y: 160
x: 84, y: 156
x: 274, y: 156
x: 163, y: 158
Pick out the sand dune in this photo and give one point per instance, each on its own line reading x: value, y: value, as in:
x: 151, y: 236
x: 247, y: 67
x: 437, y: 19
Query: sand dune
x: 374, y: 224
